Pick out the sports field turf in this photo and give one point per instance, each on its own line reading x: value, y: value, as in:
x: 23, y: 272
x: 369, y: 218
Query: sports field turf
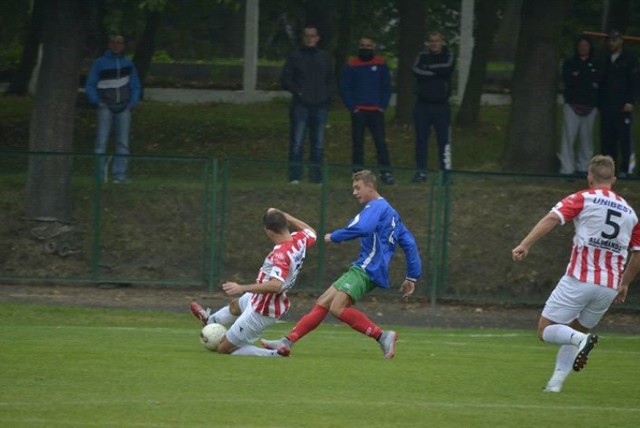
x: 71, y: 367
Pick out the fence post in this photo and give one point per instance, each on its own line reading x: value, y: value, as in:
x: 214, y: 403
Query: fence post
x: 213, y: 183
x: 97, y: 194
x: 322, y: 248
x: 437, y: 238
x: 223, y: 217
x: 445, y: 228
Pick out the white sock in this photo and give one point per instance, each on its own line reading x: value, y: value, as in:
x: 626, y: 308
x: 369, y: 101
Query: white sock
x: 562, y: 335
x: 564, y: 364
x: 254, y: 351
x: 222, y: 316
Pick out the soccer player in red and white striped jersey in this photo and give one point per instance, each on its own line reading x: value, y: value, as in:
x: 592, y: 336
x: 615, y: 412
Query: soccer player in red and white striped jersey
x: 606, y: 229
x: 264, y: 301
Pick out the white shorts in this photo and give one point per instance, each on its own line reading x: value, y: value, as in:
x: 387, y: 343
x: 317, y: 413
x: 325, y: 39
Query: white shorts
x: 249, y: 326
x: 573, y: 299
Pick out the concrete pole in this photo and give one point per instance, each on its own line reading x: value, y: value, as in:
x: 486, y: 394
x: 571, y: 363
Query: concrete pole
x: 250, y: 69
x: 466, y: 45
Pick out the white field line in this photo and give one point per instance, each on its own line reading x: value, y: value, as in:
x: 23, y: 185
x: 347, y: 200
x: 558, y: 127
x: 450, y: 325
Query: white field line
x: 426, y: 333
x: 412, y: 404
x: 102, y: 423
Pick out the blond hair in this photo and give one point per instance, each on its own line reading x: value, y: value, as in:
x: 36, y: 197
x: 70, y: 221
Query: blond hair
x: 602, y: 168
x: 366, y: 176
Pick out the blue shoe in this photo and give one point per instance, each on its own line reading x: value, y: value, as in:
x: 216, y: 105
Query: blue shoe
x: 124, y: 180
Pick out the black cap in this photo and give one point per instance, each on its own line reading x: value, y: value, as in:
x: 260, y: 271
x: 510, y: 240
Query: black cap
x: 614, y: 35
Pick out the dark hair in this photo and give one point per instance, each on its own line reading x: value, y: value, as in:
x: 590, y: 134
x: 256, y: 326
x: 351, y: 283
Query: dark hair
x: 275, y: 221
x: 585, y: 38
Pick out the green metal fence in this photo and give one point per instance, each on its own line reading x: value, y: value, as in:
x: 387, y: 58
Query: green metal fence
x: 155, y: 230
x: 193, y: 221
x: 484, y: 216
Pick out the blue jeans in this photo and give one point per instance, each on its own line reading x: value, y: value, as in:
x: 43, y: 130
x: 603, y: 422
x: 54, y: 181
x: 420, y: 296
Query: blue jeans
x: 313, y: 118
x: 121, y: 123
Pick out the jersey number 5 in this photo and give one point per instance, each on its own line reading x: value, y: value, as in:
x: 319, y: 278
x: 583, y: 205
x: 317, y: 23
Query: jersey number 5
x: 610, y: 222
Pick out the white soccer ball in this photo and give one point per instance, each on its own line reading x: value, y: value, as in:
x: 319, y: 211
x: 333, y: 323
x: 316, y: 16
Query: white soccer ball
x: 211, y: 335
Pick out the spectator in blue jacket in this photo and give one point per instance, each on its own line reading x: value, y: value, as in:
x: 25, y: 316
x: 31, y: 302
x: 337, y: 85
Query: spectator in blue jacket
x: 380, y: 230
x: 114, y: 88
x: 365, y: 89
x: 432, y: 70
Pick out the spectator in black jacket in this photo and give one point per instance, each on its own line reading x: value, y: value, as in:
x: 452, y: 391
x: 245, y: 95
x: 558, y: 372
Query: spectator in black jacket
x: 616, y: 104
x: 432, y: 69
x: 581, y: 73
x: 308, y: 75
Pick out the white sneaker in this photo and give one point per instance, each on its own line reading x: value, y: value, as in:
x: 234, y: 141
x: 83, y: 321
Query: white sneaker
x: 584, y: 348
x: 387, y: 342
x: 277, y: 344
x: 552, y: 388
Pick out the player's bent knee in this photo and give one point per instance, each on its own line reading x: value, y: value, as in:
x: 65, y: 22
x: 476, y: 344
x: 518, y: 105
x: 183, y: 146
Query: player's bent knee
x: 226, y: 347
x: 234, y: 307
x: 575, y: 324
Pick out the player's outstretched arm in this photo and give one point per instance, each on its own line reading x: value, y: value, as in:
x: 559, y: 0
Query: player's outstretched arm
x: 273, y: 286
x: 630, y: 273
x: 544, y: 226
x: 412, y: 256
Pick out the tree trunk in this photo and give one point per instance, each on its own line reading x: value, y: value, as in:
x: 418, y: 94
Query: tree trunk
x: 411, y: 40
x: 505, y: 44
x: 344, y: 43
x: 234, y: 29
x: 617, y: 15
x: 20, y: 82
x: 53, y: 116
x: 147, y: 45
x: 486, y: 22
x: 532, y: 123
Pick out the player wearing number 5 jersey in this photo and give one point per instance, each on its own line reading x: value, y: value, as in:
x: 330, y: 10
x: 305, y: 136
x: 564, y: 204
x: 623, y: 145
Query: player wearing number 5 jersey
x: 380, y: 230
x: 606, y: 228
x: 265, y: 301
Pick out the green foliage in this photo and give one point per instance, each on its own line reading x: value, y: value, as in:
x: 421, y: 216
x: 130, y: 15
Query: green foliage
x: 122, y: 368
x: 161, y: 55
x: 10, y: 56
x: 153, y: 5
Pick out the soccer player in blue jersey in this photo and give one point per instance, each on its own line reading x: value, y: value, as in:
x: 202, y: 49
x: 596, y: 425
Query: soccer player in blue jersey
x: 380, y: 229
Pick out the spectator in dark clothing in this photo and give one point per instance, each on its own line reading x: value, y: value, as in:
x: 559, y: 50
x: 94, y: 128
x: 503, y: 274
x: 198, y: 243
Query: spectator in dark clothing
x: 432, y: 69
x: 581, y: 74
x: 616, y: 104
x: 365, y: 89
x: 308, y: 75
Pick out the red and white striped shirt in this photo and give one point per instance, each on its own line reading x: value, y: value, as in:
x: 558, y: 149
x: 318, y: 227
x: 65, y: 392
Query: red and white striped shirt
x: 606, y: 229
x: 284, y: 263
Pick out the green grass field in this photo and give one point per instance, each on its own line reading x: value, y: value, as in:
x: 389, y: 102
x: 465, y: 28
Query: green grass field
x: 72, y: 367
